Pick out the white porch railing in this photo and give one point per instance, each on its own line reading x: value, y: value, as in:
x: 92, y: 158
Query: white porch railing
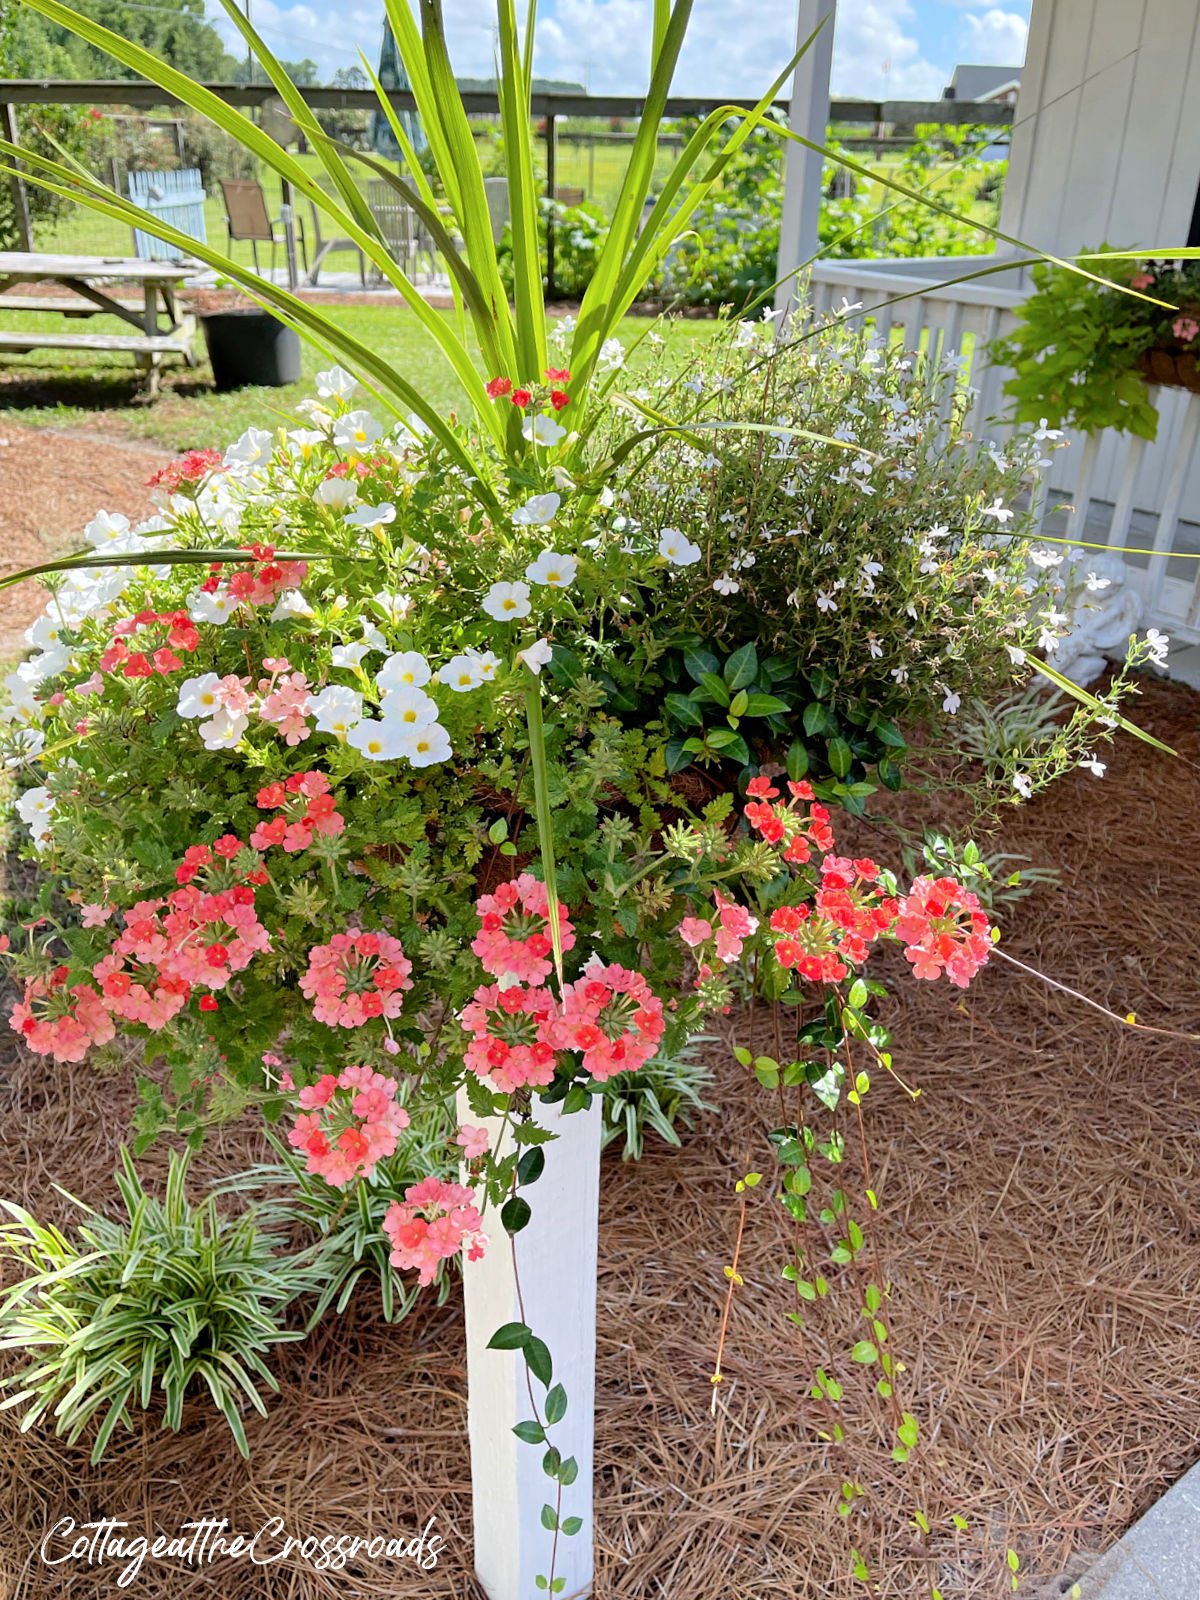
x: 1116, y: 490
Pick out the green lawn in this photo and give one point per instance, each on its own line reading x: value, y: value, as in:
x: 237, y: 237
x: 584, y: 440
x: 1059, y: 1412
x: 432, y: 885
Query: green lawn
x: 68, y: 389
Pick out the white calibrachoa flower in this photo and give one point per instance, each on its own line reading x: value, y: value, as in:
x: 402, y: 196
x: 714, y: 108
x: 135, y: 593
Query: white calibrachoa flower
x: 337, y: 708
x: 542, y: 430
x: 198, y: 696
x: 339, y: 494
x: 35, y: 808
x: 254, y: 446
x: 395, y: 606
x: 377, y: 738
x: 335, y: 384
x: 357, y: 431
x: 537, y: 655
x: 371, y: 516
x: 106, y: 527
x: 20, y: 702
x: 507, y: 602
x: 677, y: 548
x: 408, y: 669
x: 552, y: 570
x: 487, y: 664
x: 411, y: 708
x: 422, y: 747
x: 348, y: 655
x: 536, y: 513
x: 223, y: 731
x: 291, y: 603
x: 216, y: 607
x: 461, y: 674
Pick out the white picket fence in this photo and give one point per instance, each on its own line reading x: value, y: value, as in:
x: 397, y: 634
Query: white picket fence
x: 1123, y: 491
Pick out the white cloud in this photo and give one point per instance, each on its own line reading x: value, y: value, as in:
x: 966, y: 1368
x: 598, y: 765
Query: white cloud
x: 876, y: 55
x: 997, y: 38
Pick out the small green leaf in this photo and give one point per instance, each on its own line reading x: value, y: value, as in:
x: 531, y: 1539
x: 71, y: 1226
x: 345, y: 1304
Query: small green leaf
x: 531, y: 1165
x: 714, y: 688
x: 684, y: 710
x: 515, y: 1214
x: 841, y: 757
x: 797, y: 761
x: 697, y: 662
x: 864, y: 1353
x: 549, y: 1518
x: 764, y: 705
x: 572, y: 1525
x: 530, y: 1432
x: 512, y: 1336
x: 742, y: 667
x: 537, y: 1357
x: 568, y: 1472
x: 556, y: 1404
x: 739, y: 703
x: 498, y: 831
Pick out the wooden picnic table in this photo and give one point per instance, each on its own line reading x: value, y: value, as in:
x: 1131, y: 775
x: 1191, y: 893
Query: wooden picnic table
x: 166, y: 329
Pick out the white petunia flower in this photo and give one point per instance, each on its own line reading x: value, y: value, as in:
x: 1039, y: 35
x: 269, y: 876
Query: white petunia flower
x: 552, y: 570
x: 422, y: 747
x: 216, y: 607
x: 255, y: 445
x: 506, y: 602
x: 537, y: 655
x: 461, y: 674
x: 536, y: 513
x: 356, y: 431
x: 412, y: 708
x: 198, y: 696
x: 542, y: 430
x: 339, y: 494
x: 335, y: 384
x: 408, y: 669
x: 337, y: 708
x: 371, y: 516
x: 678, y: 549
x: 223, y: 731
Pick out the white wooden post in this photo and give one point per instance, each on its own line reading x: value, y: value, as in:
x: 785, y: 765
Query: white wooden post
x: 808, y: 114
x: 556, y: 1261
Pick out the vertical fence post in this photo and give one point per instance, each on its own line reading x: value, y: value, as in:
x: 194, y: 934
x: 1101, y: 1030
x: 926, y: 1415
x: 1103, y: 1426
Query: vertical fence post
x: 556, y: 1259
x: 808, y: 114
x: 20, y: 197
x: 551, y: 163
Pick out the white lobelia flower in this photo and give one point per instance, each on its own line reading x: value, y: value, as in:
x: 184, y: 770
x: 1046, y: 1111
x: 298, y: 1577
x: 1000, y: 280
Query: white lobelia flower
x: 536, y: 513
x: 951, y: 702
x: 825, y: 601
x: 552, y: 570
x: 216, y: 607
x: 461, y: 674
x: 412, y: 708
x: 337, y: 708
x: 35, y: 808
x: 1094, y: 765
x: 339, y: 494
x: 1022, y: 784
x: 291, y: 604
x: 105, y: 527
x: 677, y: 548
x: 612, y: 355
x: 1044, y: 432
x: 371, y: 516
x: 377, y: 739
x: 422, y: 747
x: 874, y: 648
x: 198, y: 696
x: 335, y: 384
x: 1094, y: 583
x: 506, y: 602
x: 998, y: 510
x: 223, y: 731
x: 1157, y: 643
x: 255, y: 445
x: 357, y: 431
x: 537, y: 655
x: 1015, y: 655
x: 726, y: 585
x: 408, y: 669
x: 542, y: 430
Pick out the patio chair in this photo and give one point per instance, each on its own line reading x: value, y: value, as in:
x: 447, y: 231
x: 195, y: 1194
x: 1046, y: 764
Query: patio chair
x: 323, y: 247
x: 568, y: 196
x: 406, y: 236
x: 247, y: 217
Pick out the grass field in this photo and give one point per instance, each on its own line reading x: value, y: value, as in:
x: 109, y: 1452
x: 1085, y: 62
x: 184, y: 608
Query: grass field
x: 68, y: 389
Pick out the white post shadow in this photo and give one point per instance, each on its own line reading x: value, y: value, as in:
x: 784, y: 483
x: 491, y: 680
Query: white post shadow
x: 556, y: 1260
x: 808, y: 114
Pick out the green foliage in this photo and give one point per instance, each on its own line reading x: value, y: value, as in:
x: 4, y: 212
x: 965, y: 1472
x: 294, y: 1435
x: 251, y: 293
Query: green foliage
x: 1074, y: 352
x: 997, y: 877
x: 579, y: 235
x: 176, y: 30
x: 172, y: 1300
x: 663, y: 1096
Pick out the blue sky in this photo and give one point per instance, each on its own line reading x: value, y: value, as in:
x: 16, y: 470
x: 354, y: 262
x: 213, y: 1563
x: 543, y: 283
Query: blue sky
x: 905, y: 49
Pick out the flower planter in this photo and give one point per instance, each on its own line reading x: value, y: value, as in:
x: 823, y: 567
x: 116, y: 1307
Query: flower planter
x: 251, y: 347
x: 1170, y: 366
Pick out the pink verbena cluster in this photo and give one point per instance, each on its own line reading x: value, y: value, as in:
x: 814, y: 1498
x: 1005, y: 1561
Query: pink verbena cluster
x: 185, y: 475
x: 284, y: 700
x: 61, y: 1021
x: 511, y: 1036
x: 732, y: 926
x: 348, y: 1122
x: 356, y: 977
x: 849, y: 912
x: 944, y: 929
x: 800, y: 833
x: 613, y: 1017
x: 514, y: 932
x: 306, y: 807
x: 173, y: 631
x: 434, y: 1223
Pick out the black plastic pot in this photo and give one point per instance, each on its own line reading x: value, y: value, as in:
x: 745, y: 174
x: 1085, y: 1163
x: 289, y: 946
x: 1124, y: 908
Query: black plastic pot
x: 251, y: 347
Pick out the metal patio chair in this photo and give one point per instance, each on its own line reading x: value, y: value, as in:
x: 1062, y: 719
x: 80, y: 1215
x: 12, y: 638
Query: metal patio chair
x: 247, y: 217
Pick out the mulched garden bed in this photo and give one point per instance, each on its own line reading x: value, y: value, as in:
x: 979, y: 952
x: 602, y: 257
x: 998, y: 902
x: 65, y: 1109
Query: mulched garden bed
x: 1039, y: 1223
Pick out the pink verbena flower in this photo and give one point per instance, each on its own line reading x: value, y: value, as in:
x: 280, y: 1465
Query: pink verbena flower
x: 306, y: 807
x: 60, y: 1021
x: 943, y: 928
x: 356, y: 977
x: 1185, y: 328
x: 348, y: 1123
x: 285, y: 704
x: 511, y: 1030
x: 695, y: 931
x: 612, y: 1017
x: 473, y: 1142
x: 433, y: 1224
x: 514, y: 933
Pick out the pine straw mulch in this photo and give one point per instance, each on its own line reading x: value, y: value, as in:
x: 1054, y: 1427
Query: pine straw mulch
x: 1039, y: 1225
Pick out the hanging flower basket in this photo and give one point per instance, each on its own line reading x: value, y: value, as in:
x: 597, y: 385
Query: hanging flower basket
x: 1171, y: 366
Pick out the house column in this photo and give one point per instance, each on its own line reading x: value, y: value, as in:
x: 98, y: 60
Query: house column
x: 808, y: 115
